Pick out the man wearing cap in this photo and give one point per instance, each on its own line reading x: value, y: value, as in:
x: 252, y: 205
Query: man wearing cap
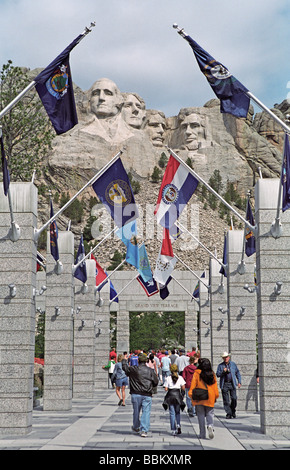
x: 142, y: 380
x: 230, y: 379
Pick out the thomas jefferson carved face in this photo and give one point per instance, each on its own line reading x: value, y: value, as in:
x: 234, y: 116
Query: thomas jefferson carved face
x: 133, y: 110
x: 105, y: 98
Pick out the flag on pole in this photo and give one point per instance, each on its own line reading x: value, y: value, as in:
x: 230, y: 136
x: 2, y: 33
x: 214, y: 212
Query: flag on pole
x: 81, y: 272
x: 53, y: 236
x: 128, y: 235
x: 144, y: 264
x: 285, y: 176
x: 177, y: 187
x: 113, y: 188
x: 6, y: 175
x: 55, y: 88
x: 196, y: 289
x: 223, y: 269
x: 113, y: 293
x: 166, y: 260
x: 228, y: 89
x: 250, y: 242
x: 150, y: 287
x: 164, y: 292
x: 101, y: 275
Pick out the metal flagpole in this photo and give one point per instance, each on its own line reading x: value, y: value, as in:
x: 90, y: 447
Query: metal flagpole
x: 75, y: 266
x: 127, y: 285
x: 33, y: 83
x: 184, y: 289
x: 98, y: 175
x: 192, y: 272
x: 201, y: 244
x: 190, y: 170
x: 109, y: 275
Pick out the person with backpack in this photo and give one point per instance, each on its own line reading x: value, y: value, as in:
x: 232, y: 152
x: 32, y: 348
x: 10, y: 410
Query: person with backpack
x: 175, y: 387
x: 204, y: 382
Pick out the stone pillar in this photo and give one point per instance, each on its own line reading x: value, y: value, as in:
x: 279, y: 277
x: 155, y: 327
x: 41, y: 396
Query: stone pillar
x: 17, y: 313
x: 85, y: 335
x: 58, y: 358
x: 204, y: 321
x: 242, y: 320
x: 102, y: 339
x: 218, y: 313
x: 273, y: 261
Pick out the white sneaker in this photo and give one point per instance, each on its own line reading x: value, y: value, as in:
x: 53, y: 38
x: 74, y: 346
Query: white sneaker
x: 174, y: 433
x: 210, y: 432
x: 143, y: 434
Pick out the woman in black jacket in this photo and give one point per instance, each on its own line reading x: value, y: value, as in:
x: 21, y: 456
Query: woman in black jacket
x: 175, y: 387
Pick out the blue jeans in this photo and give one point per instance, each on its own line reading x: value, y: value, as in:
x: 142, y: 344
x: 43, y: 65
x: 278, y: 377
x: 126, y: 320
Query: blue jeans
x: 165, y: 373
x: 141, y: 402
x: 174, y: 414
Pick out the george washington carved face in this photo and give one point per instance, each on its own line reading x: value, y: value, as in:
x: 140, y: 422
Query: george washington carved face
x: 105, y: 98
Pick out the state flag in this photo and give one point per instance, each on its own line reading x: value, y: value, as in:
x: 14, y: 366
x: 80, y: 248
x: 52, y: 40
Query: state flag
x: 150, y: 287
x: 285, y: 176
x: 250, y: 242
x: 53, y: 236
x: 227, y: 88
x: 177, y: 187
x: 81, y: 271
x: 114, y: 190
x: 166, y: 260
x: 55, y: 89
x: 100, y: 273
x: 5, y: 171
x: 223, y: 269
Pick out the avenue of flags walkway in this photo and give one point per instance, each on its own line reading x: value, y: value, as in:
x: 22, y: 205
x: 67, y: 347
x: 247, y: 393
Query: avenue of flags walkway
x: 100, y: 424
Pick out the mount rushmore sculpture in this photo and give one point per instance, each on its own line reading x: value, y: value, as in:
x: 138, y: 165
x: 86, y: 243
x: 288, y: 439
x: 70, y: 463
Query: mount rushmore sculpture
x: 111, y: 120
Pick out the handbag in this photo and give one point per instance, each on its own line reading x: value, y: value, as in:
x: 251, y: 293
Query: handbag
x: 199, y: 394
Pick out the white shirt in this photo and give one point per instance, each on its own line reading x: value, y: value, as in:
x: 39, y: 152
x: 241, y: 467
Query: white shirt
x: 169, y: 382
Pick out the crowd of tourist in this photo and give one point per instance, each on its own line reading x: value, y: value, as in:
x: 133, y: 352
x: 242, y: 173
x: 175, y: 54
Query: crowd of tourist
x: 188, y: 380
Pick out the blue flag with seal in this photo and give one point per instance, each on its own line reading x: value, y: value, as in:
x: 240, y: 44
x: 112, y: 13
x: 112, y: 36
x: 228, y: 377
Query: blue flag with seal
x: 113, y: 293
x: 6, y: 175
x: 285, y: 176
x: 228, y: 89
x: 53, y: 236
x: 55, y: 89
x: 114, y: 190
x: 250, y: 242
x: 81, y: 272
x: 195, y: 293
x: 144, y: 264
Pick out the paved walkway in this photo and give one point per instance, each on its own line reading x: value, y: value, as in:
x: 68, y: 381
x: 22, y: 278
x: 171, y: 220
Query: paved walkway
x: 100, y: 424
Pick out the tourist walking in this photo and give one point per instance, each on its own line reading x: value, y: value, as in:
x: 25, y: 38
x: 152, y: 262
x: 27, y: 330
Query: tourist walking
x: 142, y: 380
x: 120, y: 379
x: 187, y: 374
x: 230, y: 379
x: 204, y: 378
x: 174, y: 386
x: 165, y: 366
x: 182, y: 361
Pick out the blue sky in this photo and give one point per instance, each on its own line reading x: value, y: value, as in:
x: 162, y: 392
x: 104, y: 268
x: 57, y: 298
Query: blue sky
x: 135, y: 45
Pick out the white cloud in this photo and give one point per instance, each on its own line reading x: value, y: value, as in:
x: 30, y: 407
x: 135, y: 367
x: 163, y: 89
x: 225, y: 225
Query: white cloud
x: 134, y: 44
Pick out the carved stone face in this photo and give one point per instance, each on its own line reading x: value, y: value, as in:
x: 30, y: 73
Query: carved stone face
x: 133, y: 111
x: 155, y: 128
x: 105, y: 98
x: 190, y: 130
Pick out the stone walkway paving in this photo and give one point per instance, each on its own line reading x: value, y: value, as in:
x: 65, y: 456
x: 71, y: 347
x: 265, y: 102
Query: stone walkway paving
x: 100, y: 424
